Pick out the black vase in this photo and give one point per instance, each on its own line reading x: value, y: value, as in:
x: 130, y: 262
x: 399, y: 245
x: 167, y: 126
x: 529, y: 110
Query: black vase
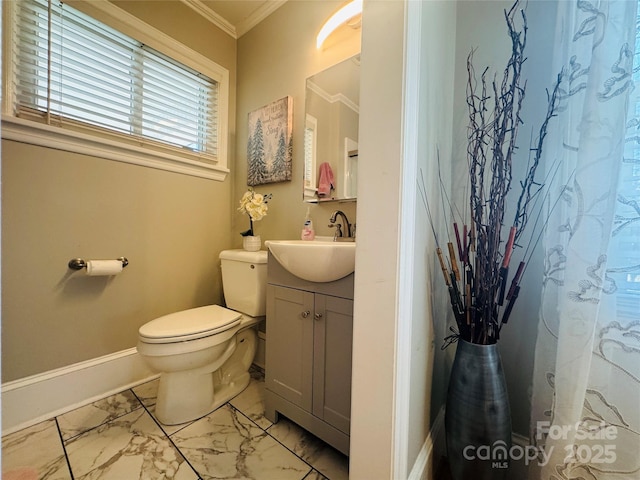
x: 477, y: 415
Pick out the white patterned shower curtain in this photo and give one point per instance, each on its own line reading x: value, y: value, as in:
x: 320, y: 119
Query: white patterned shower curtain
x: 586, y: 387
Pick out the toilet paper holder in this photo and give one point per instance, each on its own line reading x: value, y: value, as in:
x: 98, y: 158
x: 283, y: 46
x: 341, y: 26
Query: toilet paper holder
x: 79, y: 263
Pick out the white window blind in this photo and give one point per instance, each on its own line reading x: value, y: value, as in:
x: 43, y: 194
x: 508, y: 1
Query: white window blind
x: 74, y: 72
x: 310, y: 138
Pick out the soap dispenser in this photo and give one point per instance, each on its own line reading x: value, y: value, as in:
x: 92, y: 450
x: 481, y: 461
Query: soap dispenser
x: 307, y: 229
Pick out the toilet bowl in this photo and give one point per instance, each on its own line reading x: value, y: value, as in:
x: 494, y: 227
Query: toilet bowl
x: 203, y: 354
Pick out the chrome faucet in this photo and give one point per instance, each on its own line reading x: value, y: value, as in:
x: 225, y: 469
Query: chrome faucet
x: 339, y: 235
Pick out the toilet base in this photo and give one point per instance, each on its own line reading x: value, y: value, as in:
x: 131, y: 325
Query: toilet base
x: 191, y: 410
x: 187, y: 396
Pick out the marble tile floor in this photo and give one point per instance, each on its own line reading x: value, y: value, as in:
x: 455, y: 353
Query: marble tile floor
x: 118, y: 438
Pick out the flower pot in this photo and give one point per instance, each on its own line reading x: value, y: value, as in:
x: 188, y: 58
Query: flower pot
x: 251, y: 244
x: 477, y: 415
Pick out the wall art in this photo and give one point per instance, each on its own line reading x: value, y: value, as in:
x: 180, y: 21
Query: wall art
x: 269, y: 146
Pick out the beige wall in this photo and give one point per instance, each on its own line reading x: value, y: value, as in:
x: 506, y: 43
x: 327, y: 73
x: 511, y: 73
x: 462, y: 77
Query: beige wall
x: 430, y: 302
x: 336, y: 121
x: 58, y: 205
x: 274, y: 60
x: 170, y: 226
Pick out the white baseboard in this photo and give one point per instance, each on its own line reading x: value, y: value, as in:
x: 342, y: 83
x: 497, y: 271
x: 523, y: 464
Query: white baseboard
x: 34, y: 399
x: 520, y: 440
x: 424, y: 465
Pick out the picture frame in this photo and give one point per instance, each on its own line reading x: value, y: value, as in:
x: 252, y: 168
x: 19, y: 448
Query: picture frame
x: 269, y: 143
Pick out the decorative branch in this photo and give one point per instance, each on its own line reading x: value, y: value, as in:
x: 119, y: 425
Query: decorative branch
x: 526, y: 195
x: 478, y: 278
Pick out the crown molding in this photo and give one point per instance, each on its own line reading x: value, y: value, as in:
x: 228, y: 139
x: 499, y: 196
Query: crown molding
x: 212, y: 17
x: 244, y: 26
x: 338, y: 97
x: 258, y: 15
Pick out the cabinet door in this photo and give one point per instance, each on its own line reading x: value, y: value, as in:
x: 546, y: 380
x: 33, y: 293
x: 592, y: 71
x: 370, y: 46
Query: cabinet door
x: 289, y: 351
x: 333, y: 335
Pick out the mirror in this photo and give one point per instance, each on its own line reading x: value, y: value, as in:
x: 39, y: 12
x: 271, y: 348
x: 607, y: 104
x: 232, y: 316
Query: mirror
x: 332, y: 105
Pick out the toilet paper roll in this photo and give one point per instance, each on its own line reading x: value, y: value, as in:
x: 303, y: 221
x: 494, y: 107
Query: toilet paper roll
x: 96, y: 268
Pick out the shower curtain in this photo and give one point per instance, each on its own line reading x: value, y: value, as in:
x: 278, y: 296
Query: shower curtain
x: 586, y: 387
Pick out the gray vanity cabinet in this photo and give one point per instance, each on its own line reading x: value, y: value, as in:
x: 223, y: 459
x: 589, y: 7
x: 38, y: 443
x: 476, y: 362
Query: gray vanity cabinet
x: 308, y: 354
x: 332, y: 342
x: 289, y: 355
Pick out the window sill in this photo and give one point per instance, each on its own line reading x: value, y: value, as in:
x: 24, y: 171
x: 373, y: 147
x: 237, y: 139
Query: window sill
x: 53, y: 137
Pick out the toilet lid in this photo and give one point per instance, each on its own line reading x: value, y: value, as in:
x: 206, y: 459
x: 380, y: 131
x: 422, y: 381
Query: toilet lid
x: 189, y: 324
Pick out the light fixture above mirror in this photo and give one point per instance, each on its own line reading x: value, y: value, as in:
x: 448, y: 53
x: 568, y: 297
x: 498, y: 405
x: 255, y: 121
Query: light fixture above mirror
x: 350, y: 13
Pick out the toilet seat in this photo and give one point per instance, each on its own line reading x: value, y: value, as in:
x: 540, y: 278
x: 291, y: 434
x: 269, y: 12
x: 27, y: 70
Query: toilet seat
x: 189, y: 324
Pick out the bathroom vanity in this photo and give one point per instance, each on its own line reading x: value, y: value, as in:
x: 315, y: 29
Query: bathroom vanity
x: 308, y: 353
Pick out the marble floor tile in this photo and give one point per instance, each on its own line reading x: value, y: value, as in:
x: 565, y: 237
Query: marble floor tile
x: 147, y: 393
x: 168, y: 429
x: 131, y: 446
x: 251, y: 402
x: 35, y: 453
x: 90, y: 416
x: 226, y: 444
x: 322, y: 457
x: 315, y: 475
x: 116, y: 438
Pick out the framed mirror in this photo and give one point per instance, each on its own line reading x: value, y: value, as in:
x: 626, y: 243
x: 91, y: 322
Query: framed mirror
x: 332, y: 106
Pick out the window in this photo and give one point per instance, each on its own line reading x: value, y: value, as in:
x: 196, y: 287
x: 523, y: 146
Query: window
x: 624, y: 249
x: 71, y: 73
x: 310, y: 139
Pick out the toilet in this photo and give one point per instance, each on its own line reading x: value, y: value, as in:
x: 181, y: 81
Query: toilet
x: 203, y: 354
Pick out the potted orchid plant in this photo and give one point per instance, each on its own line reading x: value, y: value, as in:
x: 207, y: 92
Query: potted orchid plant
x: 253, y: 204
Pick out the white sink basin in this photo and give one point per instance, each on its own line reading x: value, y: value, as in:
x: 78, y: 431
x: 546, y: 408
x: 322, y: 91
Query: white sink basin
x: 315, y: 261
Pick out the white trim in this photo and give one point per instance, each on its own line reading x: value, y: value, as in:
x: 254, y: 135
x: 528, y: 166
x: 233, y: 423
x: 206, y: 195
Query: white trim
x: 426, y: 462
x: 213, y: 17
x: 121, y: 20
x: 519, y: 440
x: 54, y: 137
x: 406, y: 228
x: 434, y: 449
x: 34, y: 399
x: 235, y: 31
x: 338, y: 97
x: 8, y: 16
x: 158, y: 40
x: 124, y: 22
x: 266, y: 9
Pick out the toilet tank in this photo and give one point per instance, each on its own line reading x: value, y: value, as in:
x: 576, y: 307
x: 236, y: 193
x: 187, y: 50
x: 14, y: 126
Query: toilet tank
x: 244, y: 281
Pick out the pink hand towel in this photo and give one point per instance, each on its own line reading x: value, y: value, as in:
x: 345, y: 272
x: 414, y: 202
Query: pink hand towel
x: 325, y: 182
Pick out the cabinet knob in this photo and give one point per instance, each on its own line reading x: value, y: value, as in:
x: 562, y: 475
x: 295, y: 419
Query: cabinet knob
x: 318, y: 316
x: 306, y: 314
